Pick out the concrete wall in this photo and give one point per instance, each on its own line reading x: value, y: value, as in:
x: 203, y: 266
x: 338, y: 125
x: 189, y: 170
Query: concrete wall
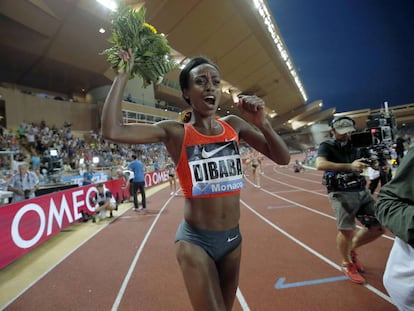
x: 31, y: 108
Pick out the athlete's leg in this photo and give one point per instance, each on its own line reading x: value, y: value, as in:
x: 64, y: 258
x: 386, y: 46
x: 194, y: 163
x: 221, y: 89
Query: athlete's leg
x: 228, y: 269
x: 200, y: 276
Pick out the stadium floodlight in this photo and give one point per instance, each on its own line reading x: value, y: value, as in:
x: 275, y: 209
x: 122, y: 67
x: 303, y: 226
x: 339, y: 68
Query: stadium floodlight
x: 110, y: 4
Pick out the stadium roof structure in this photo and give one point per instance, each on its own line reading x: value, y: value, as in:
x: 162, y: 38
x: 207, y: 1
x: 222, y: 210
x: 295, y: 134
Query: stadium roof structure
x: 55, y: 46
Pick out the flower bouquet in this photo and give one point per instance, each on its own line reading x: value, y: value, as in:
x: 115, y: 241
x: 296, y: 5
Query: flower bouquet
x: 150, y: 50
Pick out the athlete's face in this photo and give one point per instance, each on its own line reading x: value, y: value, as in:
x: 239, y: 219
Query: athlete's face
x: 204, y: 89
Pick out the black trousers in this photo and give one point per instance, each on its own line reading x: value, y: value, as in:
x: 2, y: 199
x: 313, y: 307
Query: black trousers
x: 139, y: 186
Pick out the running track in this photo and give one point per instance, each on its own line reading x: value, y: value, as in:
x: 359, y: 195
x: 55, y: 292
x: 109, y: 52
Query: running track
x: 289, y: 261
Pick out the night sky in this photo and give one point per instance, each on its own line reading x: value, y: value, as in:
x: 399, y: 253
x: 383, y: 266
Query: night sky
x: 352, y: 54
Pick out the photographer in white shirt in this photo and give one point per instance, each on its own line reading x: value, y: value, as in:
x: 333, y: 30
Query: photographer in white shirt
x: 23, y: 184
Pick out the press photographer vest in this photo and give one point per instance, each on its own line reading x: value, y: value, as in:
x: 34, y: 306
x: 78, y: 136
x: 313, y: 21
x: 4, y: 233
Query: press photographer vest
x: 333, y: 151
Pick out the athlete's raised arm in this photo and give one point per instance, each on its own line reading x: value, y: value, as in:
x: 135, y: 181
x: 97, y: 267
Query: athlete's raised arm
x: 112, y: 125
x: 265, y: 139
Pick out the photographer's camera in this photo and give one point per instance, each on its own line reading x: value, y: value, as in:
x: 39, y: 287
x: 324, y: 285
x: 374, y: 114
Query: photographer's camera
x: 367, y: 161
x: 26, y: 194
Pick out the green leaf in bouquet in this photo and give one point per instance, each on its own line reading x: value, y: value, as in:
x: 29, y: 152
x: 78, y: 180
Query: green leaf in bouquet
x: 150, y: 49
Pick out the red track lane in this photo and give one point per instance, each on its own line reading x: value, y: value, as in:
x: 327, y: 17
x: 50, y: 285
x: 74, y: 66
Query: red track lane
x: 288, y: 232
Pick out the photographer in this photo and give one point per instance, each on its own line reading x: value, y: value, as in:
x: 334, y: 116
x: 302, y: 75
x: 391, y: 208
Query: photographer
x: 23, y: 184
x: 343, y: 164
x: 104, y: 201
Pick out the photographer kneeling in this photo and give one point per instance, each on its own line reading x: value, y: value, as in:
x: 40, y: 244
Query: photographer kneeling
x: 23, y: 184
x: 105, y: 201
x: 343, y: 164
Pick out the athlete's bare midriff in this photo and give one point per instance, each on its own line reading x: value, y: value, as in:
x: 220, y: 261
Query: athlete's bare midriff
x: 218, y: 213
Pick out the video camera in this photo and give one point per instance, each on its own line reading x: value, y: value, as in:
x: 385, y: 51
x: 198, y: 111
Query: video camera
x: 373, y: 137
x: 52, y: 161
x: 377, y: 137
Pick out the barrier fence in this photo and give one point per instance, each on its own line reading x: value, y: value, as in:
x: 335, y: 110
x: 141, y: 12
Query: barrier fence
x: 27, y: 224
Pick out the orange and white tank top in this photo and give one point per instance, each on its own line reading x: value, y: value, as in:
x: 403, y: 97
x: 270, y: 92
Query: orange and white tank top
x: 210, y: 166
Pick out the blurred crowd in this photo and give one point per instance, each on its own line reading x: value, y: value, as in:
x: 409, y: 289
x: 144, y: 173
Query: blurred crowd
x: 50, y: 149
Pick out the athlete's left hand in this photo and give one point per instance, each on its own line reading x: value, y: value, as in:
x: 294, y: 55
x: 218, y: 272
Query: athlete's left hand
x: 252, y: 108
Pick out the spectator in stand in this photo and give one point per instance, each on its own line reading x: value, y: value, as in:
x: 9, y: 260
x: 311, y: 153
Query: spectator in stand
x: 88, y: 175
x: 138, y: 182
x: 155, y: 164
x: 18, y: 159
x: 21, y: 131
x: 35, y: 162
x: 31, y: 139
x: 395, y: 211
x: 23, y: 184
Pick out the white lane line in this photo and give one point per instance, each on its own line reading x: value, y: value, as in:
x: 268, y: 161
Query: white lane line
x: 134, y: 263
x: 311, y: 250
x: 303, y: 178
x: 295, y: 203
x: 300, y: 188
x: 288, y: 191
x: 124, y: 285
x: 279, y: 206
x: 242, y: 301
x: 303, y: 206
x: 53, y: 266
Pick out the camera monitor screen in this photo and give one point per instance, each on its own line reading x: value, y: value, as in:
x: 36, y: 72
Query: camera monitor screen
x: 361, y: 139
x: 53, y: 153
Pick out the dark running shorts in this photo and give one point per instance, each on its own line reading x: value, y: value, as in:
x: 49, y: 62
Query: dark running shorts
x: 217, y: 244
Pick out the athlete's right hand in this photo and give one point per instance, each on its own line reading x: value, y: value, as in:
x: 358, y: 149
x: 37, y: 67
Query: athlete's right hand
x: 127, y: 57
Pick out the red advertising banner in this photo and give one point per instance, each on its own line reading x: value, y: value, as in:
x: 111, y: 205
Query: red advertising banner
x: 27, y: 224
x: 155, y: 178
